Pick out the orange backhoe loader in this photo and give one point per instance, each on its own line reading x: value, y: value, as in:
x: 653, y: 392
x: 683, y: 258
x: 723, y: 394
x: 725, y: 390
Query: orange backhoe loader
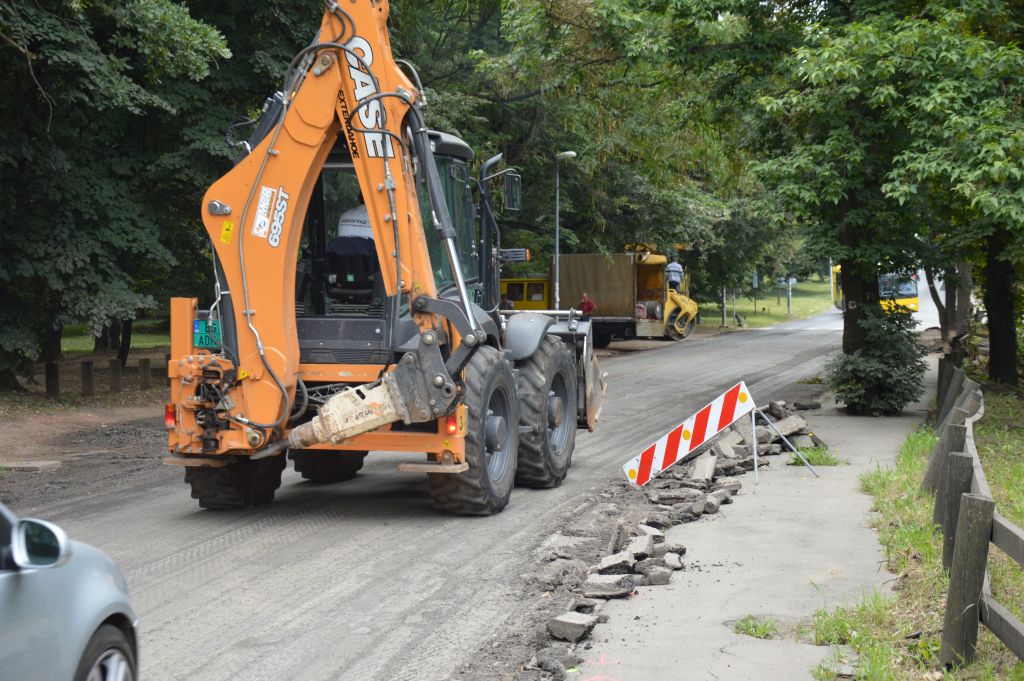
x: 356, y: 301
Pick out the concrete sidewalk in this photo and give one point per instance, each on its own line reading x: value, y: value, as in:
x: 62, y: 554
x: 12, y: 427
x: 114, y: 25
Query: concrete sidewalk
x: 786, y: 547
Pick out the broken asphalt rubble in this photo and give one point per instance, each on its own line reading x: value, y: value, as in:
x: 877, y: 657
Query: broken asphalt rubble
x: 638, y: 555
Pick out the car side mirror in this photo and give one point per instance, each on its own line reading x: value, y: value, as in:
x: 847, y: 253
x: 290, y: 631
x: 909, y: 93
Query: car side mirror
x: 39, y: 544
x: 513, y: 191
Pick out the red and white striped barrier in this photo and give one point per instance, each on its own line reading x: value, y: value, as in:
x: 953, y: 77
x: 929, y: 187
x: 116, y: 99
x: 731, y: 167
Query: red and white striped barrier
x: 690, y: 434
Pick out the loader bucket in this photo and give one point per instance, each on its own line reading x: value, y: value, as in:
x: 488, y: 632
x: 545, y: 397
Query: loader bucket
x: 597, y: 386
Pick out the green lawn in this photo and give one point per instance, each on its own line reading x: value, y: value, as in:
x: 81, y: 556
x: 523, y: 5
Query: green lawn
x: 146, y: 334
x: 809, y: 298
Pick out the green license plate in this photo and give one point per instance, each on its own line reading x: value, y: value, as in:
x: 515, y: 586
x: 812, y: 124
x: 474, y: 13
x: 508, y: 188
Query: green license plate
x: 206, y: 334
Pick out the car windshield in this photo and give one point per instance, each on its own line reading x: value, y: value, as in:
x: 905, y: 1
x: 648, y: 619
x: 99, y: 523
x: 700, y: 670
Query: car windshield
x: 906, y: 288
x: 889, y: 286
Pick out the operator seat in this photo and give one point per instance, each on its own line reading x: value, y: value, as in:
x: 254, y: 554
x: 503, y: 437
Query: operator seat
x: 352, y: 271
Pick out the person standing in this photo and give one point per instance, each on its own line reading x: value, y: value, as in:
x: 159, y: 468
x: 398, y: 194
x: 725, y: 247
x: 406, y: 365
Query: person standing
x: 587, y: 307
x: 674, y: 274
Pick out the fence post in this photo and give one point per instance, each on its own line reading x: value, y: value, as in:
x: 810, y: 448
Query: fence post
x: 951, y: 439
x: 145, y: 374
x: 952, y: 395
x: 941, y: 484
x: 945, y: 373
x: 53, y: 380
x: 971, y: 403
x: 958, y: 482
x: 115, y: 375
x: 970, y: 558
x: 88, y: 378
x: 955, y: 417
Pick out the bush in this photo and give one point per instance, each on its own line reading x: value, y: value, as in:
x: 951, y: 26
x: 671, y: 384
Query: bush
x: 887, y: 373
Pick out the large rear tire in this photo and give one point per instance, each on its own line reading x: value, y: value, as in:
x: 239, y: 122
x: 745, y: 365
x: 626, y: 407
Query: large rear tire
x: 547, y: 392
x: 327, y: 467
x: 492, y: 439
x: 238, y: 485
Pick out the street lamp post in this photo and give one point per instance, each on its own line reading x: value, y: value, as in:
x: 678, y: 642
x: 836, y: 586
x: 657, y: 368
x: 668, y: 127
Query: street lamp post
x: 558, y: 233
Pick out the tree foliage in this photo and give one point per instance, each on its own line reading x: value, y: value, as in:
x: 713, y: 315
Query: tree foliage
x: 768, y: 134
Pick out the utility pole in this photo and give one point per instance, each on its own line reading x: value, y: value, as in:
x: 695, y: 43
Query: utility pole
x: 831, y: 282
x: 558, y: 231
x: 724, y: 323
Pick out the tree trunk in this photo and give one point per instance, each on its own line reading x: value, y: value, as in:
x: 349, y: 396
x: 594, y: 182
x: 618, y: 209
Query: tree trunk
x: 858, y: 295
x: 934, y: 292
x: 51, y: 344
x: 9, y: 381
x: 964, y: 287
x: 999, y: 304
x: 114, y: 339
x: 102, y: 342
x: 126, y: 341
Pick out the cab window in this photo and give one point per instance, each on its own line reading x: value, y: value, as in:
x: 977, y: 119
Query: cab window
x: 464, y: 216
x: 443, y: 277
x: 514, y: 292
x: 535, y: 291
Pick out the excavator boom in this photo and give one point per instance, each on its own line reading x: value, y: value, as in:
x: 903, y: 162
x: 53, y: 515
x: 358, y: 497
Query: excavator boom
x: 345, y: 82
x: 385, y: 321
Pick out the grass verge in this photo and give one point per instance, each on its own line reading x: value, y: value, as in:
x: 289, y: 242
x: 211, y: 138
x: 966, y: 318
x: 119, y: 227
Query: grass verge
x: 758, y: 627
x: 809, y: 298
x: 816, y: 456
x: 1000, y: 440
x: 146, y: 334
x: 896, y: 637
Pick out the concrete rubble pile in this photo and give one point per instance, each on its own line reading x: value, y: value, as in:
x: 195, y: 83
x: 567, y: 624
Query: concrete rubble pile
x: 639, y: 555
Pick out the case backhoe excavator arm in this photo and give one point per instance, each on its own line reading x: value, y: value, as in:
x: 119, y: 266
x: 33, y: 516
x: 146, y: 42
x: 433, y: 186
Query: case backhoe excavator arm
x: 345, y: 83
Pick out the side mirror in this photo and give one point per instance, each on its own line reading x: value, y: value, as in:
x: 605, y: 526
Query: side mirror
x: 513, y: 191
x: 39, y: 544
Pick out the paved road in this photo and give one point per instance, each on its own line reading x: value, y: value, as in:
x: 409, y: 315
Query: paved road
x: 364, y: 580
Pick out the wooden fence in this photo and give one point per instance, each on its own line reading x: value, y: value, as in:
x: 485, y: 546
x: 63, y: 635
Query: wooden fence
x: 967, y: 514
x: 144, y: 370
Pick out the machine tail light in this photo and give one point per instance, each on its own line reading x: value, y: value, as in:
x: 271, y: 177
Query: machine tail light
x: 170, y: 415
x: 451, y: 425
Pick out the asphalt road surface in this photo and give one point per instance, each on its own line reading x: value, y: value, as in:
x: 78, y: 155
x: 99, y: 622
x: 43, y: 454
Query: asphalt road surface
x: 364, y: 580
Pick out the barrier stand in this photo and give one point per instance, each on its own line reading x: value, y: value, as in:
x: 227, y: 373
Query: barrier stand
x: 753, y: 425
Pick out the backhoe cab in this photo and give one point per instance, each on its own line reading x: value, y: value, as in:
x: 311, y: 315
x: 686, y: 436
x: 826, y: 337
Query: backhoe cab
x: 356, y: 302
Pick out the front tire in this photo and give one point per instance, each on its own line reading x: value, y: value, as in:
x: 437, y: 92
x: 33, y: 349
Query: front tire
x: 547, y: 390
x: 602, y: 340
x: 108, y: 657
x: 492, y: 440
x: 241, y: 484
x: 679, y: 326
x: 327, y: 467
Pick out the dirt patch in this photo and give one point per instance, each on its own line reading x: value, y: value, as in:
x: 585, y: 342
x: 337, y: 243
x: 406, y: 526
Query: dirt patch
x: 61, y: 433
x: 108, y: 457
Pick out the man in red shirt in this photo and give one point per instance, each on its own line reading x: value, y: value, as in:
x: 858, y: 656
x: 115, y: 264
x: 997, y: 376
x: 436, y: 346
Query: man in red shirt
x: 587, y: 306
